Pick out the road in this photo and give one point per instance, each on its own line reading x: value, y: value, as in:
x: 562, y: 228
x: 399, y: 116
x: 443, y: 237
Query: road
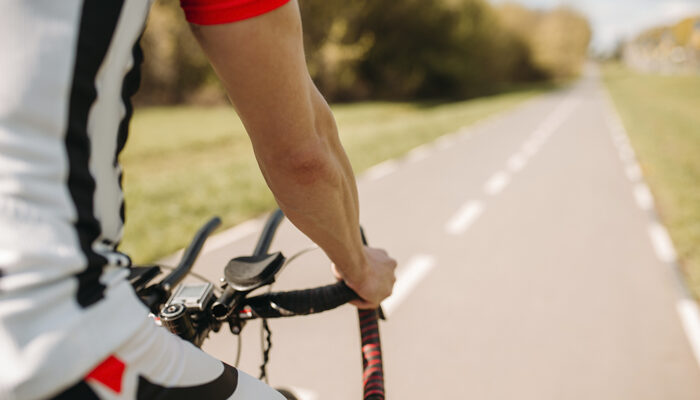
x: 531, y: 266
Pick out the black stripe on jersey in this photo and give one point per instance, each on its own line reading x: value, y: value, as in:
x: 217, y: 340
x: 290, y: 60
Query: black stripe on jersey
x: 79, y: 391
x: 132, y: 81
x: 220, y: 388
x: 98, y: 22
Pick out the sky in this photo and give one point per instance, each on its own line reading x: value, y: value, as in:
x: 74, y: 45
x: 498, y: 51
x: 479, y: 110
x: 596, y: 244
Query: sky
x: 613, y: 20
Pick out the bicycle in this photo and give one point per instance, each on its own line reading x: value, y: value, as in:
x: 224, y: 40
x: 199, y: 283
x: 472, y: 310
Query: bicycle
x: 193, y: 310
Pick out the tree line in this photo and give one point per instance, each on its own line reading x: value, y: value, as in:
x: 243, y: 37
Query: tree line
x: 388, y: 49
x: 665, y: 49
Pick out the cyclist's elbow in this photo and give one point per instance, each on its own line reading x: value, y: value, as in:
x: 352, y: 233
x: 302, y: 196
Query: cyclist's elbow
x: 308, y: 154
x: 311, y: 167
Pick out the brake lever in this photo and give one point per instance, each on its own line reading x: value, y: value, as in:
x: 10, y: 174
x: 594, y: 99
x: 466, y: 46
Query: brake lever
x: 140, y: 276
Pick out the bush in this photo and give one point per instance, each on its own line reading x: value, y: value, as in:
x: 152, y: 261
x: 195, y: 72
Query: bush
x: 557, y: 41
x: 390, y: 49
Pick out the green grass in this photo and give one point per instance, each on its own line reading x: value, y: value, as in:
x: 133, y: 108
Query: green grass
x: 185, y: 164
x: 662, y: 115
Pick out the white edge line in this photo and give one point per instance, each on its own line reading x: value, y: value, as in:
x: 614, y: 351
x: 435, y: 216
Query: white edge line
x: 634, y: 172
x: 620, y: 138
x: 661, y: 241
x: 643, y: 196
x: 416, y: 269
x: 464, y: 218
x: 381, y: 170
x: 444, y: 142
x: 625, y: 148
x: 419, y: 153
x: 465, y: 131
x: 627, y: 156
x: 690, y: 318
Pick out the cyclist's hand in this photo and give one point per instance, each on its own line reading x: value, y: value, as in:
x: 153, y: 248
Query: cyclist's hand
x: 376, y: 283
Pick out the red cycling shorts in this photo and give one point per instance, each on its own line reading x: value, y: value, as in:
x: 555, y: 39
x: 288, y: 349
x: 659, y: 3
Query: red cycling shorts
x: 213, y: 12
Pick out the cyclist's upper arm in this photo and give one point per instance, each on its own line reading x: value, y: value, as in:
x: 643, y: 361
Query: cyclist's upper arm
x: 262, y: 65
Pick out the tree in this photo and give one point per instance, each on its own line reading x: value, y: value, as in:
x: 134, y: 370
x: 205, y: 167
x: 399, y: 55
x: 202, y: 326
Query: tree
x: 391, y: 49
x: 175, y: 69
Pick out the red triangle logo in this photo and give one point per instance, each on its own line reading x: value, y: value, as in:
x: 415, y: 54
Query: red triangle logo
x: 109, y: 373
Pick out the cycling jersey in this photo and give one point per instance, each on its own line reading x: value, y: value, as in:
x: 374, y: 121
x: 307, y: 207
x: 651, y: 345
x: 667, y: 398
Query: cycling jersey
x: 68, y: 69
x: 154, y: 364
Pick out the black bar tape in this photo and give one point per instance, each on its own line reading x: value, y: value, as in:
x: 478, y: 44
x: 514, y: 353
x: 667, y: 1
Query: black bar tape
x: 301, y: 302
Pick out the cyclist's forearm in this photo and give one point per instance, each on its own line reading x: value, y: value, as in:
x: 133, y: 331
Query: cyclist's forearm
x: 317, y: 192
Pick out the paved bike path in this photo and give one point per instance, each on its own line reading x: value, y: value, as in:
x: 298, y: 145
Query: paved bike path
x: 526, y: 271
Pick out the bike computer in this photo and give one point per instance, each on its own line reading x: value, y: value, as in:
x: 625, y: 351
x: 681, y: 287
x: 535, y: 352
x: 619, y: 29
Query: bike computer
x: 194, y: 296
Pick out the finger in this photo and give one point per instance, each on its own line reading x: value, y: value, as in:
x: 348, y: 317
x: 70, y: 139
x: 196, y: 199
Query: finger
x: 335, y: 272
x: 364, y: 305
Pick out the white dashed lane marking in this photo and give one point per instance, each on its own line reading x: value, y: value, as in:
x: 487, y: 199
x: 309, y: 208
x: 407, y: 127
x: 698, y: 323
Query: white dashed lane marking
x: 540, y: 135
x: 464, y: 218
x: 517, y: 162
x: 408, y: 278
x: 531, y: 148
x: 419, y: 266
x: 497, y: 183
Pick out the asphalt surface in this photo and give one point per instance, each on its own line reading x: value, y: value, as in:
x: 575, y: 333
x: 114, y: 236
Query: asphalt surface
x: 531, y: 266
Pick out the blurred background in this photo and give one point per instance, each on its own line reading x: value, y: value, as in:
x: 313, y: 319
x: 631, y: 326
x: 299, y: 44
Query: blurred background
x: 432, y: 62
x: 541, y: 157
x: 359, y: 51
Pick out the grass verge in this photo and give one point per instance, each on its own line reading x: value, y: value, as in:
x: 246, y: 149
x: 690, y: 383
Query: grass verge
x: 662, y: 116
x: 183, y: 165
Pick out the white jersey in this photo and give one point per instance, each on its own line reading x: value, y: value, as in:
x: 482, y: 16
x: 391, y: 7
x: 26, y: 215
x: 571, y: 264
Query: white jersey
x: 67, y: 71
